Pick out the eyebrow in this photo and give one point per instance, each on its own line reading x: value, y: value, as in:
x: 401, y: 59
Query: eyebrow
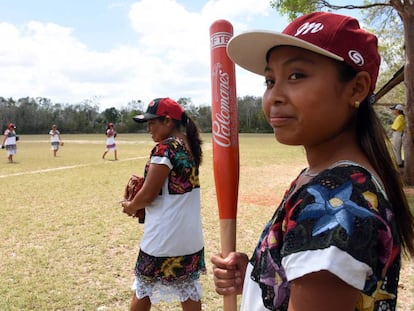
x: 296, y: 59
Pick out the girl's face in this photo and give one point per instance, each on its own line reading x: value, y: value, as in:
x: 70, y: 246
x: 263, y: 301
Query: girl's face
x: 304, y: 101
x: 159, y: 129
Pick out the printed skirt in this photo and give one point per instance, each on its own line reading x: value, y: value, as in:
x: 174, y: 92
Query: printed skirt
x: 169, y: 278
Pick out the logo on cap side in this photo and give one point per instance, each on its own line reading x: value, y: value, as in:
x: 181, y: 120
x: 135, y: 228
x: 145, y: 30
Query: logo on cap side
x: 356, y: 57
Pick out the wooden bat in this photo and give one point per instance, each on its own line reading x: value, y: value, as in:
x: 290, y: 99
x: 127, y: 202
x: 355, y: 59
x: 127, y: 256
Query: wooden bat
x: 225, y: 136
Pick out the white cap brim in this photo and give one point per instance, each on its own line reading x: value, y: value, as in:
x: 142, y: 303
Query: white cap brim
x: 249, y: 49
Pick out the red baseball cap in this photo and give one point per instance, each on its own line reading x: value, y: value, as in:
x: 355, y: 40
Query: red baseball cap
x: 11, y: 125
x: 332, y: 35
x: 161, y: 107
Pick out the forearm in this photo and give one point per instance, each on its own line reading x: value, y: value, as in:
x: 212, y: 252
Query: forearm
x: 140, y: 201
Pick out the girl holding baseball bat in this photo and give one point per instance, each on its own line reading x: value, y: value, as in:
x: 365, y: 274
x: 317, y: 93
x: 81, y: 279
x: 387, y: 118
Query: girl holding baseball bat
x: 336, y: 240
x: 171, y: 255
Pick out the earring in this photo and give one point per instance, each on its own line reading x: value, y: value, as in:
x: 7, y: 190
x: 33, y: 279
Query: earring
x: 356, y: 104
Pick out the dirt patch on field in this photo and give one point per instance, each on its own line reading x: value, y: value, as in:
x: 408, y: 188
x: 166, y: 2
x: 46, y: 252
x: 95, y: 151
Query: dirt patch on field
x: 262, y: 200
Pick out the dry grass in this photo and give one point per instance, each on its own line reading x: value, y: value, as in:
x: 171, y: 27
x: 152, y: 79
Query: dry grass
x: 66, y: 245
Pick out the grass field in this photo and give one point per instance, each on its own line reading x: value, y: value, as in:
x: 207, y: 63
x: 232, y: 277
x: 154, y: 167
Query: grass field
x: 66, y: 245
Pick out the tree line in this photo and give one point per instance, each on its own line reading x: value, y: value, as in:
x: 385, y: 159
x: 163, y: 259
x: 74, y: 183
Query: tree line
x: 36, y: 116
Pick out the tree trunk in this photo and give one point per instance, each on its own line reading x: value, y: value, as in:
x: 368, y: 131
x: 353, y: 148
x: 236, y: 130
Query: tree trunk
x: 408, y: 21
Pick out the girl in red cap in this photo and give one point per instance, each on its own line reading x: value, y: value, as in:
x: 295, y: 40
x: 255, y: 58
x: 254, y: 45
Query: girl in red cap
x: 110, y: 141
x: 335, y: 242
x: 9, y: 141
x: 171, y: 255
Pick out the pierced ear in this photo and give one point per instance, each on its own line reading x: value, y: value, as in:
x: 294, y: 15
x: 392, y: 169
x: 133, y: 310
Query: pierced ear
x: 361, y: 86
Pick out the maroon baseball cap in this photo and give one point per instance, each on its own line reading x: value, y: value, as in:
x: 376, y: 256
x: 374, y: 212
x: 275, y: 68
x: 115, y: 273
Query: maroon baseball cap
x: 336, y: 36
x: 161, y: 107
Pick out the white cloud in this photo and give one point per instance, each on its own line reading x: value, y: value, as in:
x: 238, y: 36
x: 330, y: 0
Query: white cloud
x: 170, y: 56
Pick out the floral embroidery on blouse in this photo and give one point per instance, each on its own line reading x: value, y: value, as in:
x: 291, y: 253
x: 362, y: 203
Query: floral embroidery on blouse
x: 332, y: 208
x: 341, y: 207
x: 184, y: 176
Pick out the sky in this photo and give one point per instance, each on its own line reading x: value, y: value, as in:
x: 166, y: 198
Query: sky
x: 111, y: 52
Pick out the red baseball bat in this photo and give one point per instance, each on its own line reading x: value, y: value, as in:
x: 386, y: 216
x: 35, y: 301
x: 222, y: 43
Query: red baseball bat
x: 225, y: 135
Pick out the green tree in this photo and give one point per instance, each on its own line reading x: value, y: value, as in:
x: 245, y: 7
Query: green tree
x: 402, y: 13
x: 251, y: 116
x: 111, y: 115
x: 8, y: 113
x: 204, y: 119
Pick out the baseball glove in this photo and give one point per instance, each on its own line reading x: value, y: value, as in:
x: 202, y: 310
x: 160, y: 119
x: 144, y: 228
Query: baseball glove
x: 133, y: 186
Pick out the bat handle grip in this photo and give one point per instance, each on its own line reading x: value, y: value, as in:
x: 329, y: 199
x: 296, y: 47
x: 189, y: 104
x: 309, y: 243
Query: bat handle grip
x: 228, y: 245
x: 230, y: 303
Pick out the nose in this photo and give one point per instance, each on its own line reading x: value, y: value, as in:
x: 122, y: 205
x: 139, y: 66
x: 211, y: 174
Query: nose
x: 273, y: 95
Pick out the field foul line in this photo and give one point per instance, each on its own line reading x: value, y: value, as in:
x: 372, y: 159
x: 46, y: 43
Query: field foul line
x: 47, y: 170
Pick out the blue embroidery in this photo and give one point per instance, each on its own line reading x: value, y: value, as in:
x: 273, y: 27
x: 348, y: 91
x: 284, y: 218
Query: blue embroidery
x: 334, y: 208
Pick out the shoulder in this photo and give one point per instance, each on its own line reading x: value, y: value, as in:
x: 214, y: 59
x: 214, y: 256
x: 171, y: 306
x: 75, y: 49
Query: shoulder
x: 168, y: 147
x: 346, y: 186
x: 342, y: 213
x: 345, y: 173
x: 171, y: 142
x: 342, y: 206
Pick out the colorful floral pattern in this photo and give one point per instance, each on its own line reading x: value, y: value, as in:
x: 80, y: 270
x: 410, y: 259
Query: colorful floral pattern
x: 170, y: 269
x: 184, y: 175
x: 341, y: 207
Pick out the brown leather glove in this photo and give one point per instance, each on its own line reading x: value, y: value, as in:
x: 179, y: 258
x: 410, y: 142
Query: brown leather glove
x: 133, y: 186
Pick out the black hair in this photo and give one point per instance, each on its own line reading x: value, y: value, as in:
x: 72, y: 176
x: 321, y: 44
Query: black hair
x: 376, y: 145
x: 193, y: 136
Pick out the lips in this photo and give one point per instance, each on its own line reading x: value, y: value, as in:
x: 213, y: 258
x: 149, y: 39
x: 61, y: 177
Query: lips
x: 279, y: 120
